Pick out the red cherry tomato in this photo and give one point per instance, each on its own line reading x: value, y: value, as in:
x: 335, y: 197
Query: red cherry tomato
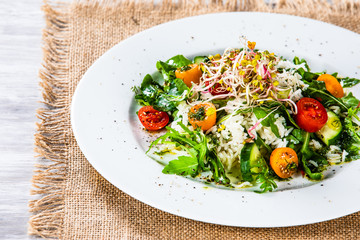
x: 216, y: 89
x: 152, y: 119
x: 311, y: 114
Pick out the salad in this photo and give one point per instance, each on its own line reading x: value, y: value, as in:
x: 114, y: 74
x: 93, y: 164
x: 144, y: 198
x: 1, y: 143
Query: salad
x: 249, y: 118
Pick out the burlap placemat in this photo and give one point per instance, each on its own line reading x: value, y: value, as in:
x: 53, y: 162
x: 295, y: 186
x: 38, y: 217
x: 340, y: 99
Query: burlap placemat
x: 74, y: 201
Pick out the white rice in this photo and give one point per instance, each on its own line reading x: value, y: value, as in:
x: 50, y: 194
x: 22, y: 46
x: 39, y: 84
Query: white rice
x: 232, y: 133
x: 334, y: 155
x: 297, y: 95
x: 315, y: 144
x: 290, y: 79
x: 280, y: 125
x: 314, y: 163
x: 335, y: 109
x: 288, y: 131
x: 343, y: 155
x: 231, y: 140
x: 289, y: 65
x: 270, y: 138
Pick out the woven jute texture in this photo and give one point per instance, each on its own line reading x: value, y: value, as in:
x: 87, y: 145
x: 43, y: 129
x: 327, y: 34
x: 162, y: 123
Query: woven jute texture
x: 73, y: 200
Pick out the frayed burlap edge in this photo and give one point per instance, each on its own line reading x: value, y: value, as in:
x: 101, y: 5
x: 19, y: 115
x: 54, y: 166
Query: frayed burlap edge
x: 316, y: 9
x: 48, y: 180
x: 50, y: 139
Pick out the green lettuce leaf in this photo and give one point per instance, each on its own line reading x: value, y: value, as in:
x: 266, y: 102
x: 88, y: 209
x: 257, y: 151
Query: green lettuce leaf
x: 178, y: 61
x: 350, y: 101
x: 163, y: 98
x: 167, y: 70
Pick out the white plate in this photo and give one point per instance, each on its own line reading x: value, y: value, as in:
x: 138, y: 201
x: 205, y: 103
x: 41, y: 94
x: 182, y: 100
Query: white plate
x: 108, y: 132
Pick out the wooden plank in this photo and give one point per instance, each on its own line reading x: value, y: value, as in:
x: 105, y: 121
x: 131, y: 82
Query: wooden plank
x: 21, y: 22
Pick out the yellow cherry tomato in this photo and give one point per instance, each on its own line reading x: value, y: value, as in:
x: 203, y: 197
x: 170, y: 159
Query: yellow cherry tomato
x: 202, y: 115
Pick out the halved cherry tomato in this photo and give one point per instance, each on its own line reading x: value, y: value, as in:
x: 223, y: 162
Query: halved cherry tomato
x: 216, y: 89
x: 332, y: 85
x: 152, y: 119
x: 311, y: 114
x: 202, y: 115
x: 189, y: 74
x: 284, y: 162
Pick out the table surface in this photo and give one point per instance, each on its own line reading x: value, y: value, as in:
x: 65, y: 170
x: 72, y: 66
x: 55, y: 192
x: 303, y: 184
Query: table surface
x: 21, y: 24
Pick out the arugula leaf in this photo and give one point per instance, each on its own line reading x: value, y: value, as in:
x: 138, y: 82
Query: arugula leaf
x: 305, y: 73
x: 348, y: 82
x: 350, y: 145
x: 266, y: 181
x: 184, y: 165
x: 282, y: 111
x: 298, y: 134
x: 217, y: 169
x: 292, y: 141
x: 295, y: 138
x: 269, y: 121
x: 223, y: 118
x: 254, y: 168
x: 350, y: 137
x: 309, y: 76
x: 297, y: 61
x: 200, y: 159
x: 306, y: 154
x: 349, y: 124
x: 262, y: 145
x: 285, y: 113
x: 318, y: 90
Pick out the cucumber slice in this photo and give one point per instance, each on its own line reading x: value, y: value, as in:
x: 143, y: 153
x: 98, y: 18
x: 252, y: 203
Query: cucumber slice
x: 283, y: 94
x: 331, y: 130
x: 200, y: 59
x: 251, y: 162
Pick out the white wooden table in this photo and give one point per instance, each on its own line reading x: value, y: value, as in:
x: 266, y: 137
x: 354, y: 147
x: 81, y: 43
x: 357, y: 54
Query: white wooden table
x: 21, y: 22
